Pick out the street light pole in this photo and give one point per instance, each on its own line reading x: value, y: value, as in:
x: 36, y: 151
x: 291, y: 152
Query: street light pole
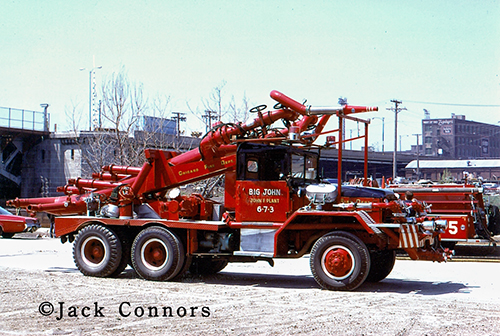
x: 46, y: 123
x: 92, y: 92
x: 383, y: 127
x: 418, y: 156
x: 90, y: 99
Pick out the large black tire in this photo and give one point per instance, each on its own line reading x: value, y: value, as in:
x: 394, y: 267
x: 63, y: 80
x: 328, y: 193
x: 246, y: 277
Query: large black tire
x: 157, y: 254
x: 339, y: 261
x: 97, y: 251
x: 185, y: 268
x: 448, y: 244
x: 207, y: 266
x: 381, y: 265
x: 6, y: 234
x: 494, y: 220
x: 125, y: 259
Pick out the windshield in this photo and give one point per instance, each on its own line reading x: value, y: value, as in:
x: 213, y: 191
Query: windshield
x: 304, y: 166
x: 4, y: 212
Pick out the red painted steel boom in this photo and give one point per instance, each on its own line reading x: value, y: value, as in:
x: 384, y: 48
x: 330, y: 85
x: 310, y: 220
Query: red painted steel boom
x: 166, y: 169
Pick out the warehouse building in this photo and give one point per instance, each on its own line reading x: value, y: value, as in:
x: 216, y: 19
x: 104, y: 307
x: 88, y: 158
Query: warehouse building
x: 453, y: 170
x: 457, y: 138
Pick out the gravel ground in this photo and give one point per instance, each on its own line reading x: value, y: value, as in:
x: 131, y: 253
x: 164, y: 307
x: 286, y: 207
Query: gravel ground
x: 418, y: 298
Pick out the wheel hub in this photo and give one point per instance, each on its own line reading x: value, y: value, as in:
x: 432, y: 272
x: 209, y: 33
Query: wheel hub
x: 97, y: 252
x: 154, y: 254
x: 338, y: 262
x: 93, y: 251
x: 157, y: 254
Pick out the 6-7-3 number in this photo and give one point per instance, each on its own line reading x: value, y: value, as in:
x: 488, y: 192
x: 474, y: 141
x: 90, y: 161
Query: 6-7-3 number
x: 265, y: 208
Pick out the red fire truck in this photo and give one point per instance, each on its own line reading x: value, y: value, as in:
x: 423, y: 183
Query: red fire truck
x: 470, y: 220
x: 274, y: 206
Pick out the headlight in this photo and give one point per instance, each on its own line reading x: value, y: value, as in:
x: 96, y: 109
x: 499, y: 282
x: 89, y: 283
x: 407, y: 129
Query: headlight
x: 435, y: 225
x: 441, y: 224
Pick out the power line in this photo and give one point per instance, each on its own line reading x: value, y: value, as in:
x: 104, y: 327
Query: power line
x: 450, y: 104
x: 208, y: 117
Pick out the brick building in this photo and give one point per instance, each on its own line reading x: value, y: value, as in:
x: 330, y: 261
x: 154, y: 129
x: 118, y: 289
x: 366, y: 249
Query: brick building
x: 457, y: 138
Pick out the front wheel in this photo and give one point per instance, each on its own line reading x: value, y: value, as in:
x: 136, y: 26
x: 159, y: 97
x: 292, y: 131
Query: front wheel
x: 157, y: 254
x: 97, y: 251
x: 381, y: 265
x: 339, y: 261
x: 6, y: 234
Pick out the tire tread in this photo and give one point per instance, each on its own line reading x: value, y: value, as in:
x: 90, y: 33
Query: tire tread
x: 115, y: 250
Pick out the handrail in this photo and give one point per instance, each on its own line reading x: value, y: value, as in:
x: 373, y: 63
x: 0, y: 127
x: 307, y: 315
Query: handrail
x: 23, y: 119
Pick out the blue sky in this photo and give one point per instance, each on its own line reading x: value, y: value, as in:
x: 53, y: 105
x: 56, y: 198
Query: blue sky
x: 420, y: 52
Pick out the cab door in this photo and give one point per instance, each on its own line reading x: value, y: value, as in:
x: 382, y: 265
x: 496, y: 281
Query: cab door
x: 262, y: 201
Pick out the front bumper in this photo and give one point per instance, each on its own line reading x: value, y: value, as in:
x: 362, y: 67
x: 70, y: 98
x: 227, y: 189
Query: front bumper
x: 31, y: 226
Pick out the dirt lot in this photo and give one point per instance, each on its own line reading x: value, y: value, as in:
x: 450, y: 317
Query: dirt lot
x: 418, y: 298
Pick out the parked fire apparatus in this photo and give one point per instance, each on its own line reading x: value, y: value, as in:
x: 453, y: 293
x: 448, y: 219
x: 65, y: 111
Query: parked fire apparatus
x: 470, y: 220
x: 274, y: 207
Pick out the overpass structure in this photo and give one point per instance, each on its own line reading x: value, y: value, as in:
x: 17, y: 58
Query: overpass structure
x: 35, y: 161
x: 20, y: 130
x: 380, y: 164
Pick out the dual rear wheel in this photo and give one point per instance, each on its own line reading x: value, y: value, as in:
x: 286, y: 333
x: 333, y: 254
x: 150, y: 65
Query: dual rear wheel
x: 97, y: 251
x: 156, y: 253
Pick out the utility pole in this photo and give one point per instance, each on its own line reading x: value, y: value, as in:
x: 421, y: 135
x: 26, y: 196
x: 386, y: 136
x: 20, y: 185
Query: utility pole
x: 418, y: 156
x: 179, y: 116
x: 383, y: 128
x: 208, y: 117
x: 396, y: 110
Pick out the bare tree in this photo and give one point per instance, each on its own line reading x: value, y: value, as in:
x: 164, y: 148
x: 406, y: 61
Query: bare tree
x: 239, y: 114
x: 93, y: 148
x: 215, y: 107
x: 123, y: 104
x: 215, y: 101
x: 128, y: 124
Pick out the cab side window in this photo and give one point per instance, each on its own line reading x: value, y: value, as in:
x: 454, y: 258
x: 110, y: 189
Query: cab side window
x: 252, y: 170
